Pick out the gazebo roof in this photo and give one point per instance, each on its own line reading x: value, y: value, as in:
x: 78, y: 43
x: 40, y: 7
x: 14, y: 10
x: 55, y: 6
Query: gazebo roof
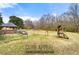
x: 8, y: 25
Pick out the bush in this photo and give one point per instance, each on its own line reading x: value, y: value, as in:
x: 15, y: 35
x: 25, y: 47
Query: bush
x: 41, y: 48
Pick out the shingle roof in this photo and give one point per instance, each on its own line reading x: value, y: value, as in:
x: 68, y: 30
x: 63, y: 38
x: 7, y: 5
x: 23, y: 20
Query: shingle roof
x: 8, y: 25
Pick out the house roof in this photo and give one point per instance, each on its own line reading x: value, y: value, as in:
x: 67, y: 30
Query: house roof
x: 8, y: 25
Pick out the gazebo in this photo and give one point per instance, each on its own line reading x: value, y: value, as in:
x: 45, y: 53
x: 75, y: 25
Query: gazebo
x: 8, y: 28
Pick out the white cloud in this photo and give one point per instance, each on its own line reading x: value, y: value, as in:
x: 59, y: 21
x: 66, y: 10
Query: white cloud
x: 54, y: 14
x: 6, y: 18
x: 28, y: 17
x: 7, y: 5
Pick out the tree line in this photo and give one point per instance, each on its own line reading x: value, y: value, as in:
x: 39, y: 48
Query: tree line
x: 69, y: 20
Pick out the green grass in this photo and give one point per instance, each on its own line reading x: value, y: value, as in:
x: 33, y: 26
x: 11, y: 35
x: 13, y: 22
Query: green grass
x: 11, y: 37
x: 17, y: 48
x: 17, y: 44
x: 38, y: 43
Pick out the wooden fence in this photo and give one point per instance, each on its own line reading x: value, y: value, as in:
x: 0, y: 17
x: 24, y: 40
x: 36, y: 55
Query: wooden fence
x: 7, y: 31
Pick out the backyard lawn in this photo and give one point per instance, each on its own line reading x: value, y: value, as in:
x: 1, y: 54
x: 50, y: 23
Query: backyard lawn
x: 38, y: 42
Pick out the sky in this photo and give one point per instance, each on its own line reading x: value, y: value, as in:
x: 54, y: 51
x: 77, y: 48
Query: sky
x: 31, y: 11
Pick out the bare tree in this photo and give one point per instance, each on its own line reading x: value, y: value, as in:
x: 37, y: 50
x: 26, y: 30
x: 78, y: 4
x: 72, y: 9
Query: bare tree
x: 74, y: 11
x: 28, y: 24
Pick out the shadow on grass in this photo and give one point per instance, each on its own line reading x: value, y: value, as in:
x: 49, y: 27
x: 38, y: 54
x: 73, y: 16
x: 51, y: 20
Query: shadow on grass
x: 2, y: 37
x: 61, y: 37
